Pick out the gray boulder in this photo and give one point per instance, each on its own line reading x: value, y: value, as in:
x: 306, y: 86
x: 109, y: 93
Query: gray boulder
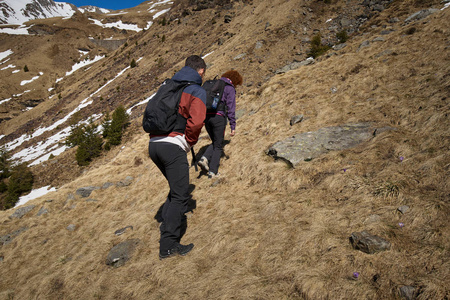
x: 121, y: 253
x: 85, y: 192
x: 368, y: 243
x: 408, y: 292
x: 421, y: 15
x: 309, y: 145
x: 20, y: 212
x: 8, y: 238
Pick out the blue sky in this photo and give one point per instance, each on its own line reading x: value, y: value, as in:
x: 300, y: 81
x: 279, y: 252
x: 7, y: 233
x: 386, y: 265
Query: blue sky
x: 109, y: 4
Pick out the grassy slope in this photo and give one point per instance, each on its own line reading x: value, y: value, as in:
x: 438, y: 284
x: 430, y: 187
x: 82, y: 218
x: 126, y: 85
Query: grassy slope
x: 264, y: 230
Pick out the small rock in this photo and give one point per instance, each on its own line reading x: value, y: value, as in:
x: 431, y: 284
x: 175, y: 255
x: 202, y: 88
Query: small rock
x: 408, y: 292
x: 378, y: 39
x: 6, y: 239
x: 70, y: 197
x: 242, y: 55
x: 126, y: 182
x: 339, y: 46
x: 71, y: 227
x: 403, y: 209
x: 121, y: 253
x: 421, y: 15
x: 372, y: 219
x: 107, y: 185
x: 91, y: 200
x: 368, y: 243
x: 42, y: 211
x: 227, y: 18
x: 85, y: 192
x: 296, y: 119
x: 364, y: 44
x: 122, y: 230
x: 20, y: 212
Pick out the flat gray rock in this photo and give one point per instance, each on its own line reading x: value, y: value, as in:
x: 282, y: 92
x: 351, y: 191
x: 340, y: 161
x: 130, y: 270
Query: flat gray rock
x: 20, y: 212
x: 309, y: 145
x: 368, y: 243
x: 121, y: 253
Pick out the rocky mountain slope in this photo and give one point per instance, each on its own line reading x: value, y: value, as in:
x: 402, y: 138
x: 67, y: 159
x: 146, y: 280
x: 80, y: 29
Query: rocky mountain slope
x: 265, y: 229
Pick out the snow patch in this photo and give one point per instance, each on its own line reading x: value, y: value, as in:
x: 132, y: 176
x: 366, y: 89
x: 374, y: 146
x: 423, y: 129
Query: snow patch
x: 35, y: 194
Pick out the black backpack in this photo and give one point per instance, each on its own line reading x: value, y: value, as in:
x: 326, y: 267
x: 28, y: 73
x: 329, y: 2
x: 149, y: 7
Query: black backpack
x: 161, y: 113
x: 214, y: 91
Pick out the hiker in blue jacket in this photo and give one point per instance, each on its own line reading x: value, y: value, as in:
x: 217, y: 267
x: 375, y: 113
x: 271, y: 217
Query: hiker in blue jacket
x: 168, y: 152
x: 215, y: 124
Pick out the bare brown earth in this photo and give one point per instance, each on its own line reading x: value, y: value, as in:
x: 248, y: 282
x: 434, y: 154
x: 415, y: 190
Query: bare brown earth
x: 263, y: 230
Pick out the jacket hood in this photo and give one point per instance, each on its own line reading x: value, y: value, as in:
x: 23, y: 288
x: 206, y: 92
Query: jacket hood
x: 188, y: 74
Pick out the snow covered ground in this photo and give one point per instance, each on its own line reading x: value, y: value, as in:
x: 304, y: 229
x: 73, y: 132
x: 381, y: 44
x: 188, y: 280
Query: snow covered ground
x: 35, y: 194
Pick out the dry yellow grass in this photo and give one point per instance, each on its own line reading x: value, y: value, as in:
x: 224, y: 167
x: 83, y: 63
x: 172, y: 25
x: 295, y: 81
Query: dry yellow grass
x: 264, y: 230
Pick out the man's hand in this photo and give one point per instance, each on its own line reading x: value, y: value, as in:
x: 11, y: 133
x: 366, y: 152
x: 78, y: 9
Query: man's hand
x: 233, y: 132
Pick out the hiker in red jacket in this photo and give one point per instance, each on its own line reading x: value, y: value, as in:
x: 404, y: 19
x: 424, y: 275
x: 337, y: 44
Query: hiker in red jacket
x: 169, y: 153
x: 216, y: 123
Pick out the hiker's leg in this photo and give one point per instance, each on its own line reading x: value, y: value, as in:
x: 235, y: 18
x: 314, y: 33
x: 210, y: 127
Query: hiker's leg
x: 219, y: 124
x: 177, y: 174
x: 210, y: 129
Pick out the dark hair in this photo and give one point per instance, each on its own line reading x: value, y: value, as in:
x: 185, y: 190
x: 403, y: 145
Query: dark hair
x: 195, y: 62
x: 234, y: 76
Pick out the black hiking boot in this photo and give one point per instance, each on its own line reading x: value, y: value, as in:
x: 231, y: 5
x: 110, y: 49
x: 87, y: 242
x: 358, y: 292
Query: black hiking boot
x: 178, y: 250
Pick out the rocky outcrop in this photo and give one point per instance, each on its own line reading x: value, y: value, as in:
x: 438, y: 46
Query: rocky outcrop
x: 309, y: 145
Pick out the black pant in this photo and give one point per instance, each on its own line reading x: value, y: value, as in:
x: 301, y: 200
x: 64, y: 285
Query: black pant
x: 215, y: 126
x: 172, y: 161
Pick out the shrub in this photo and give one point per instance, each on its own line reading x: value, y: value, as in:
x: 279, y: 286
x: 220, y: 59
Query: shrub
x: 342, y: 36
x: 317, y: 48
x: 90, y: 145
x: 133, y: 64
x: 25, y: 69
x: 117, y: 126
x: 20, y: 182
x: 4, y: 163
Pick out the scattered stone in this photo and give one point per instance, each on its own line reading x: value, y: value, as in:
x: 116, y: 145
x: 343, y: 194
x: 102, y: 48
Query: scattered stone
x: 6, y: 239
x: 259, y: 45
x: 42, y: 211
x: 309, y: 145
x: 378, y: 39
x: 242, y: 55
x: 421, y: 15
x: 403, y: 209
x: 408, y: 292
x: 20, y: 212
x: 364, y: 44
x: 368, y: 243
x: 296, y: 119
x: 126, y: 182
x: 372, y: 219
x: 70, y: 197
x: 91, y: 200
x: 227, y: 18
x: 85, y: 192
x: 2, y: 258
x: 295, y: 65
x: 122, y: 230
x: 386, y: 32
x: 121, y: 253
x: 394, y: 20
x: 339, y: 46
x: 385, y: 52
x: 107, y: 185
x: 71, y: 227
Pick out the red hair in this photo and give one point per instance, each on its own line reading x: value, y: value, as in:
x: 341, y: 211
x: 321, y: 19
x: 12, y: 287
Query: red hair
x: 234, y: 76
